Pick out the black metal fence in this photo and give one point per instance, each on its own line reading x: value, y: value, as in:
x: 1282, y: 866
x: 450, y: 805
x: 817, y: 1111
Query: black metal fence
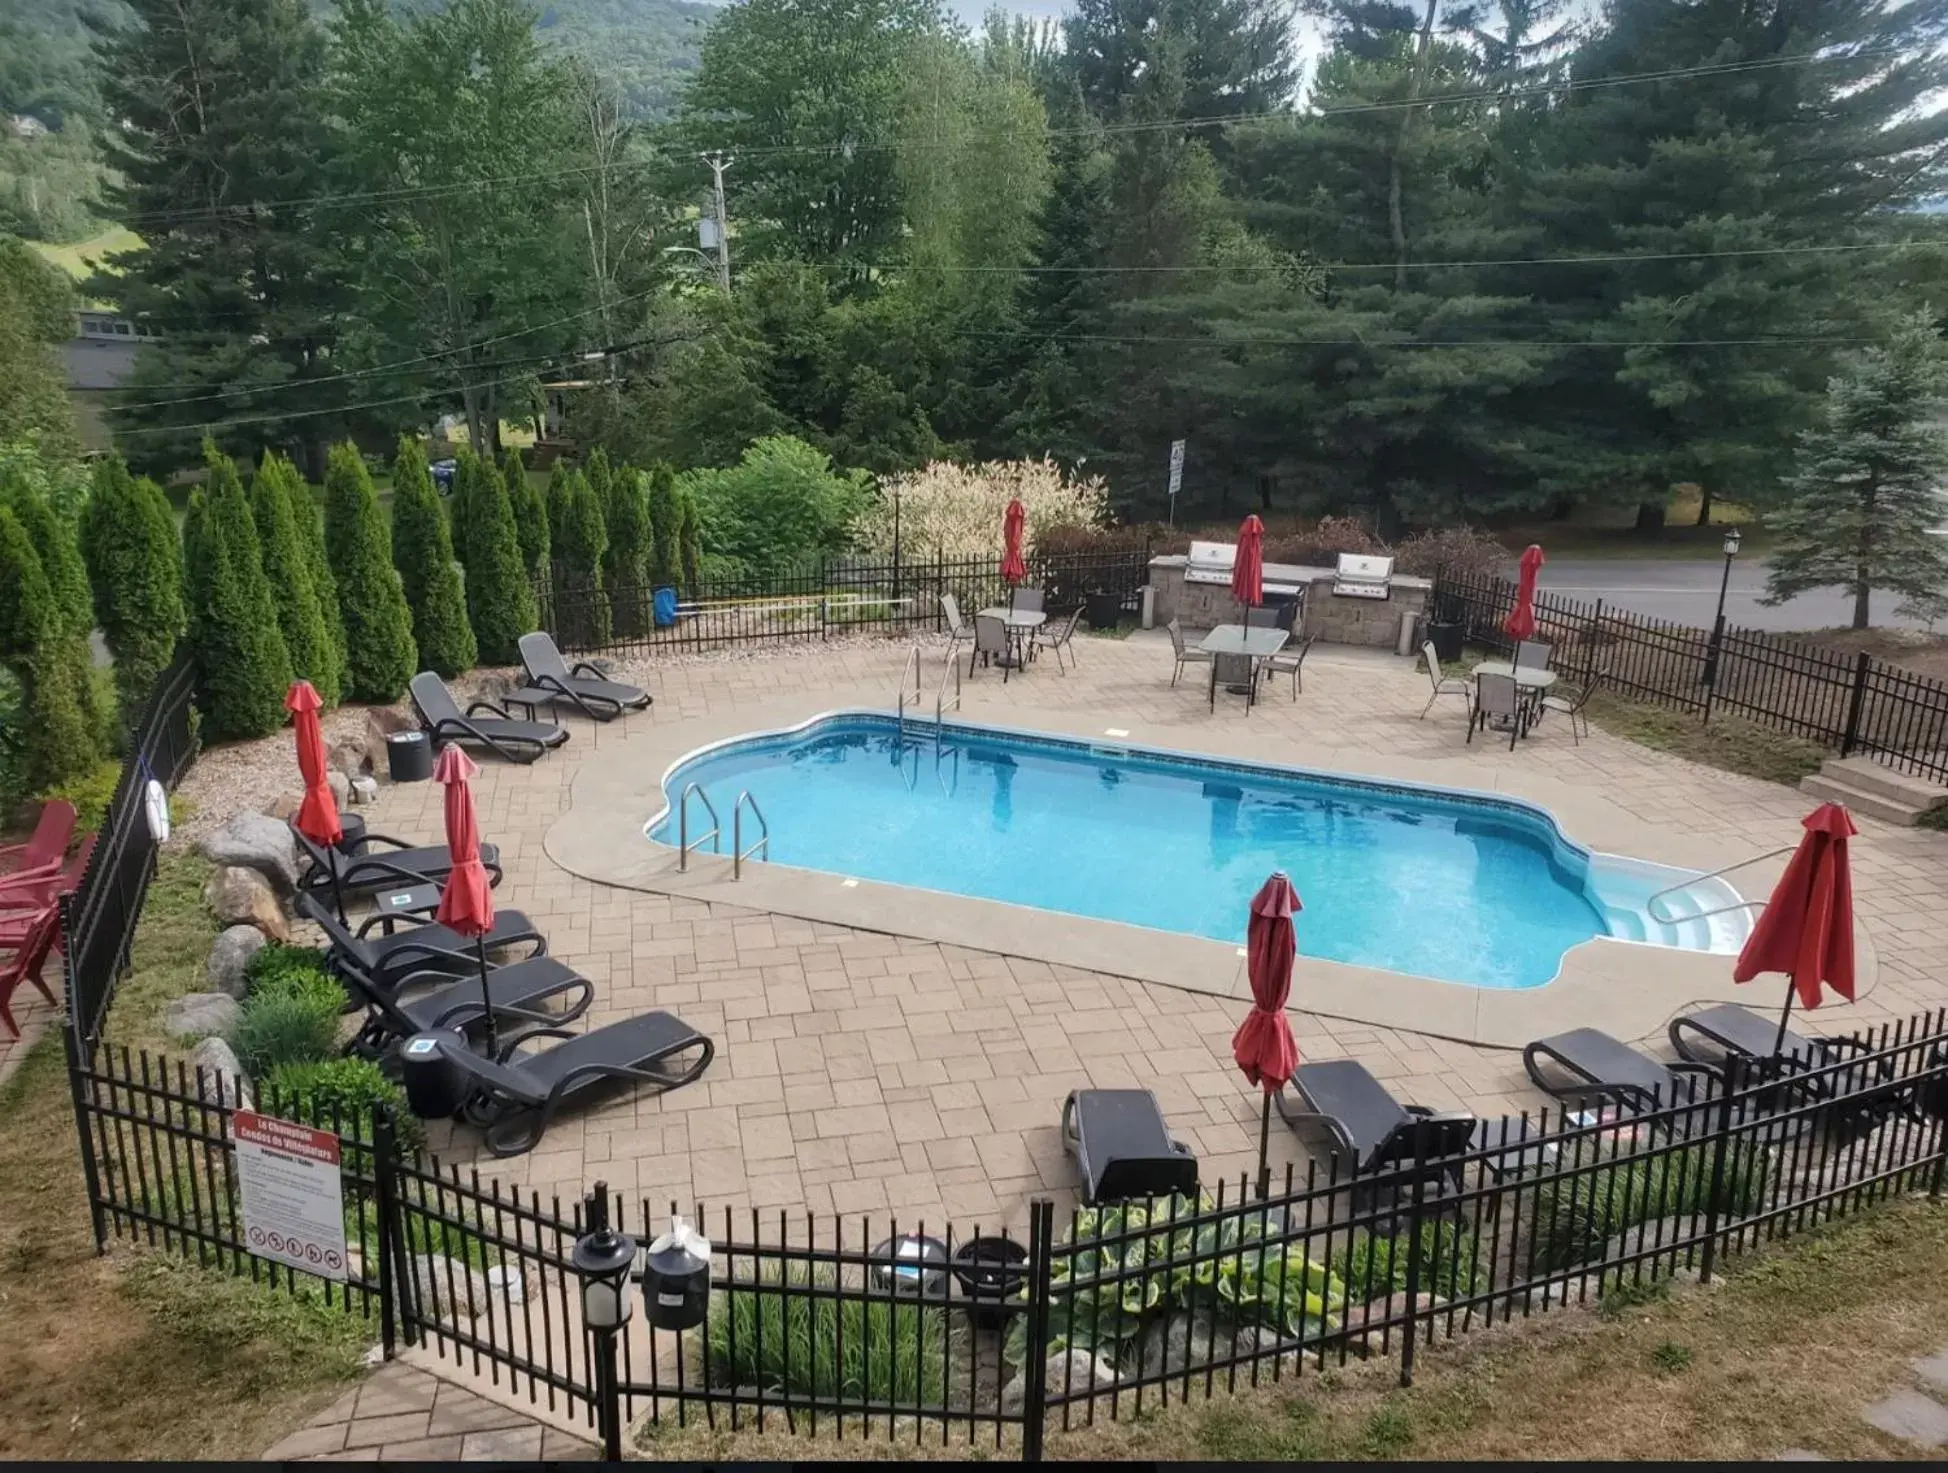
x: 823, y: 1326
x: 1853, y: 703
x: 98, y: 920
x: 835, y: 596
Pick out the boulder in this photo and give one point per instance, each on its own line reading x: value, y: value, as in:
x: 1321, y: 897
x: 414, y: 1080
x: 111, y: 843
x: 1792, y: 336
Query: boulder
x: 230, y: 957
x: 256, y: 841
x: 1383, y: 1338
x: 341, y: 788
x: 380, y: 723
x: 219, y: 1077
x: 203, y: 1014
x: 349, y: 755
x: 446, y: 1286
x: 242, y: 897
x: 365, y: 789
x: 1069, y: 1372
x: 493, y: 685
x: 284, y: 809
x: 1176, y: 1342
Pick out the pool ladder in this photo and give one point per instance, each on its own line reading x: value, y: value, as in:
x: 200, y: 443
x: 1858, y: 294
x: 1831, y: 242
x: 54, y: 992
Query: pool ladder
x: 760, y: 849
x: 942, y: 704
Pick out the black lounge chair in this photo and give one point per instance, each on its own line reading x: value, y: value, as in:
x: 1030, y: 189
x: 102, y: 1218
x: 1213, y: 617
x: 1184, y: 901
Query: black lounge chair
x: 585, y: 687
x: 399, y: 867
x: 1373, y: 1129
x: 440, y: 714
x: 1805, y: 1066
x: 422, y: 947
x: 521, y: 993
x: 1737, y: 1032
x: 515, y: 1096
x: 1123, y: 1148
x: 1601, y: 1068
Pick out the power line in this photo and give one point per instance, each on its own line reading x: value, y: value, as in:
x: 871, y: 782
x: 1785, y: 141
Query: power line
x: 1208, y: 341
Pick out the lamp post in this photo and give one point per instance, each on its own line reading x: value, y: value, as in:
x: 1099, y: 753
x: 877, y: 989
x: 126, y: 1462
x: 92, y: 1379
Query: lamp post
x: 1732, y: 539
x: 605, y: 1258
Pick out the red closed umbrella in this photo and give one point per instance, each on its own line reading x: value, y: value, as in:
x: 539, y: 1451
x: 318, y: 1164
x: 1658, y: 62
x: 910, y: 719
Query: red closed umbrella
x: 1263, y: 1045
x: 1014, y: 530
x: 1248, y: 568
x: 1520, y: 623
x: 317, y: 816
x: 466, y: 899
x: 1806, y: 928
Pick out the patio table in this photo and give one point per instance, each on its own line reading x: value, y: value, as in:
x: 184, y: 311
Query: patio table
x: 1252, y: 644
x: 1019, y: 622
x: 1530, y: 683
x: 408, y: 900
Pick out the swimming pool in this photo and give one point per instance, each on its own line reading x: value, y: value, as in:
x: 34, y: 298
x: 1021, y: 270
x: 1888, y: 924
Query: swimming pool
x: 1460, y: 887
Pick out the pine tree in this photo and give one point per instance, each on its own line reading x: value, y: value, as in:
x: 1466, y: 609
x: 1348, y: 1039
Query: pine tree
x: 624, y: 564
x: 530, y: 515
x: 128, y: 541
x: 287, y: 564
x: 561, y: 505
x: 1864, y: 496
x: 233, y: 623
x: 689, y: 541
x: 58, y: 737
x: 665, y: 523
x: 422, y: 549
x: 500, y: 596
x: 309, y: 518
x: 54, y: 544
x: 380, y: 655
x: 581, y: 602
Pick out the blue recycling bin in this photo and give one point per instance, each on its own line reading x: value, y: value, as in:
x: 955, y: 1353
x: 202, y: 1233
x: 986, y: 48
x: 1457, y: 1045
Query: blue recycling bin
x: 663, y: 607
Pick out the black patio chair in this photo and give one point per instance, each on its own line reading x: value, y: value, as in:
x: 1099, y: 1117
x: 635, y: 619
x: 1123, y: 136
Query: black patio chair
x: 440, y: 714
x: 401, y: 866
x: 515, y: 1097
x: 584, y: 686
x: 521, y: 994
x: 1862, y: 1096
x: 423, y: 947
x: 1122, y: 1147
x: 1374, y: 1130
x: 1587, y: 1066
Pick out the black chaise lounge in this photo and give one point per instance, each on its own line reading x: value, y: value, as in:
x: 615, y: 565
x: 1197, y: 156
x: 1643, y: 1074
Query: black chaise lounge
x: 1728, y: 1031
x: 1587, y: 1065
x: 1123, y: 1148
x: 516, y: 1096
x: 517, y: 741
x: 551, y: 681
x: 1370, y: 1126
x: 422, y: 948
x: 523, y: 995
x: 398, y: 867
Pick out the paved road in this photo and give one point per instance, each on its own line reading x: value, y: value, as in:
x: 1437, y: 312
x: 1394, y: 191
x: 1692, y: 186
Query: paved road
x: 1687, y: 592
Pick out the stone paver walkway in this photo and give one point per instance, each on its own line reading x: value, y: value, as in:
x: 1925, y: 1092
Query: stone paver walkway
x: 398, y: 1413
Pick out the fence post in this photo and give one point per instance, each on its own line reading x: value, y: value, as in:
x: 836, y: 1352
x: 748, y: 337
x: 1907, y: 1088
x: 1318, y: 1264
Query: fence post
x: 1862, y: 663
x: 1720, y: 1147
x: 1034, y: 1369
x: 1593, y: 643
x: 384, y: 1149
x: 1415, y: 1218
x: 72, y: 1044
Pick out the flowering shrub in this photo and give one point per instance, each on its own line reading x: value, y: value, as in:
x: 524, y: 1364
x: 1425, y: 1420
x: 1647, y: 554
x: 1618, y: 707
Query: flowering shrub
x: 956, y: 510
x: 1463, y: 550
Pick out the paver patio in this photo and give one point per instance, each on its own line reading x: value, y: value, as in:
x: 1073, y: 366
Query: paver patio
x: 860, y: 1071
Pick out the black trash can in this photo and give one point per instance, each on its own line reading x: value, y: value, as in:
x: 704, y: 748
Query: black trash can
x: 409, y: 756
x: 351, y: 834
x: 1101, y: 609
x: 1446, y: 639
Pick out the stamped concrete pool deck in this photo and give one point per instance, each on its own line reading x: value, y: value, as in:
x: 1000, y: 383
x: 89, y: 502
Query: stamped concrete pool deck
x: 871, y: 1062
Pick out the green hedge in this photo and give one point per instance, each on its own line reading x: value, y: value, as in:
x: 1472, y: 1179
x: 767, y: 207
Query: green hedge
x: 380, y: 656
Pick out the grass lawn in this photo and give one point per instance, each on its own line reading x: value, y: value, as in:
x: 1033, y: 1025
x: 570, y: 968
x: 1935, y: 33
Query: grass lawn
x: 139, y: 1354
x: 1729, y: 742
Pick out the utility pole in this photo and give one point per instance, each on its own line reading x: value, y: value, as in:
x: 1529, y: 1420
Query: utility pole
x: 717, y: 166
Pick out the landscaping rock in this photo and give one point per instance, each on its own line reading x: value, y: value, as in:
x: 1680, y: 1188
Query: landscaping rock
x: 1376, y: 1313
x: 1174, y: 1343
x: 1914, y: 1418
x: 284, y: 809
x: 1650, y: 1237
x: 494, y: 686
x: 341, y: 788
x: 1069, y: 1372
x: 446, y: 1286
x: 219, y: 1077
x: 230, y: 957
x: 256, y: 841
x: 380, y: 723
x: 349, y: 755
x: 202, y: 1014
x: 240, y: 896
x: 365, y: 789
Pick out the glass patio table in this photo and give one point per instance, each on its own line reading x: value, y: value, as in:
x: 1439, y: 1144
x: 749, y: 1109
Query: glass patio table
x: 1252, y: 645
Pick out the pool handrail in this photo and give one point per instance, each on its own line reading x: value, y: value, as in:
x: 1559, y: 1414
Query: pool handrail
x: 762, y: 848
x: 940, y: 706
x: 683, y: 825
x: 1650, y: 905
x: 912, y: 662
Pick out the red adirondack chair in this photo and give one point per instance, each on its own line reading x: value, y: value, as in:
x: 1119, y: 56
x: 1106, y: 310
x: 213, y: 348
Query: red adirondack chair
x: 26, y: 965
x: 23, y: 896
x: 44, y: 848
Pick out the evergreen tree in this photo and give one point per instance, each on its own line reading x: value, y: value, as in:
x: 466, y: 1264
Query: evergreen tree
x: 287, y: 564
x: 530, y: 515
x: 221, y: 155
x: 500, y: 595
x: 380, y: 655
x: 422, y: 548
x: 581, y: 602
x: 36, y: 317
x: 689, y: 541
x: 233, y: 623
x: 129, y: 542
x: 60, y: 556
x: 625, y: 564
x: 309, y: 518
x: 561, y: 505
x: 1865, y: 495
x: 665, y: 525
x: 58, y: 737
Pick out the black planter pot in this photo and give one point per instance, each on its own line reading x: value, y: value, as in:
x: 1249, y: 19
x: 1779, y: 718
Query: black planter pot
x: 1446, y: 639
x: 991, y: 1272
x: 1102, y: 610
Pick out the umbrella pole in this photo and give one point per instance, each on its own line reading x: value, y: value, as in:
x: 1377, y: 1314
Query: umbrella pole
x: 487, y: 997
x: 1264, y: 1146
x: 1785, y: 1014
x: 337, y: 895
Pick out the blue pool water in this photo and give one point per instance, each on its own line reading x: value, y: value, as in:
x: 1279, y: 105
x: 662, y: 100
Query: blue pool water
x: 1462, y: 888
